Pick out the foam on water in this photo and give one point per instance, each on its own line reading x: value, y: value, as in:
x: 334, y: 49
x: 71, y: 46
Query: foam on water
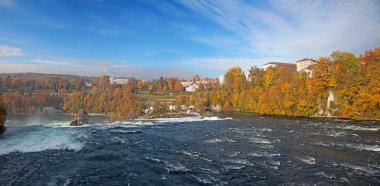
x: 208, y: 180
x: 154, y: 160
x: 361, y: 169
x: 177, y: 167
x: 223, y: 140
x: 259, y: 140
x: 264, y: 154
x: 118, y: 140
x: 324, y: 175
x: 359, y: 128
x: 238, y: 162
x: 307, y: 159
x: 194, y: 155
x: 266, y: 130
x: 188, y: 119
x: 190, y: 153
x: 375, y: 148
x: 235, y: 164
x: 126, y: 131
x: 335, y: 134
x: 233, y: 167
x: 41, y: 139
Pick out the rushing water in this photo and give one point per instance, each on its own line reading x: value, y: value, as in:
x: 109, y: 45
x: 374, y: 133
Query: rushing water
x: 242, y: 150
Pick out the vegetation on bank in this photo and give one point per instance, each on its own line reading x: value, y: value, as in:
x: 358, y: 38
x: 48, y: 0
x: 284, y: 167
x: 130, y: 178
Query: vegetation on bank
x: 36, y: 93
x: 354, y: 83
x: 119, y: 102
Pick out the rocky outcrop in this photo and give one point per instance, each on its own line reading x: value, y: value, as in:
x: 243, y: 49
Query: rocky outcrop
x: 81, y: 118
x: 330, y: 104
x: 3, y: 114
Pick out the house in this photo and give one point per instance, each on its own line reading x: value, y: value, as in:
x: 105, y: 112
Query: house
x: 309, y: 70
x: 289, y: 66
x: 172, y: 107
x: 192, y: 88
x: 247, y: 76
x: 304, y: 63
x: 88, y: 84
x: 183, y: 107
x: 186, y: 83
x: 221, y: 79
x: 118, y: 81
x: 149, y: 110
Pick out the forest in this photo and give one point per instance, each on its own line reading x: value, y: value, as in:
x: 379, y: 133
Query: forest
x: 37, y: 93
x: 353, y: 81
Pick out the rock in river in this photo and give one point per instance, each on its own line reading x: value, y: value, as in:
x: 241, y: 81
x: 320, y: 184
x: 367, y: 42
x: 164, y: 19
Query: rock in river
x: 3, y: 114
x: 81, y: 118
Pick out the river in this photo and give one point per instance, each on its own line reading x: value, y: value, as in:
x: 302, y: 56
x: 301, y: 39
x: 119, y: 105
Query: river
x: 223, y: 150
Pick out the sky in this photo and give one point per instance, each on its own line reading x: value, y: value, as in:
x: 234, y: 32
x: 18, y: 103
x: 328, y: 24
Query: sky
x: 148, y: 39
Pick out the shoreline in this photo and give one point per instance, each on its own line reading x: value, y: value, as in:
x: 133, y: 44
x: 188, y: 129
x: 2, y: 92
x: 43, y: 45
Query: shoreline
x: 209, y: 114
x: 320, y: 117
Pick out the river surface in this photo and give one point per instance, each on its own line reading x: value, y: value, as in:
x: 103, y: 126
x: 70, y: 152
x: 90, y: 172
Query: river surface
x: 223, y: 150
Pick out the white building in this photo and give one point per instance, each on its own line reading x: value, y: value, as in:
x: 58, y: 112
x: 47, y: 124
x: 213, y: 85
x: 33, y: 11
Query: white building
x: 247, y: 76
x: 304, y: 63
x: 172, y: 107
x: 289, y: 66
x: 148, y: 110
x: 88, y: 84
x: 192, y: 88
x: 221, y: 79
x: 118, y: 81
x: 186, y: 83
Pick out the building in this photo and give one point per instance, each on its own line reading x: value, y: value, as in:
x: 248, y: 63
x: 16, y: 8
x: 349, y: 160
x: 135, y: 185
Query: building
x: 309, y: 70
x: 247, y: 76
x: 148, y: 110
x: 186, y: 83
x: 118, y: 81
x: 192, y: 88
x: 173, y: 107
x: 221, y: 79
x: 289, y: 66
x: 88, y: 84
x: 304, y: 63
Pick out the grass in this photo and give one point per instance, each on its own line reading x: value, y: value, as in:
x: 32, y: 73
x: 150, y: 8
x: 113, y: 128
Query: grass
x: 148, y: 97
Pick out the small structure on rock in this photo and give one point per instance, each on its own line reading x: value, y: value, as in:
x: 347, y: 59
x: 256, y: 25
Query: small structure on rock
x: 81, y: 118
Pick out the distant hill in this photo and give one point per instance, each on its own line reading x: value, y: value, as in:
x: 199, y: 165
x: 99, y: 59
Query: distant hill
x: 40, y: 75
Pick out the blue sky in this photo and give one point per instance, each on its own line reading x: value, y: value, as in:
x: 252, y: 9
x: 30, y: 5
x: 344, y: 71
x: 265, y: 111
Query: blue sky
x: 153, y: 38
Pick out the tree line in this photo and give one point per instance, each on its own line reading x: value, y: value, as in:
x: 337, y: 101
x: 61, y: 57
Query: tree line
x: 353, y: 81
x: 118, y: 102
x: 30, y: 93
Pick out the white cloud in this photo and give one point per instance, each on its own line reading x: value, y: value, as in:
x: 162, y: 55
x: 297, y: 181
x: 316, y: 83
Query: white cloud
x: 6, y: 51
x: 295, y: 29
x: 223, y: 64
x: 90, y: 68
x: 50, y: 62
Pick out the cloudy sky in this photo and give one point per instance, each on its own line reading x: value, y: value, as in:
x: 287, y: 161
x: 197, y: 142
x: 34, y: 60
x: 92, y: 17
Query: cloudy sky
x: 153, y: 38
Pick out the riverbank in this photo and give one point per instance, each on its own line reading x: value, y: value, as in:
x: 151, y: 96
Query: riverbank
x: 208, y: 114
x: 320, y: 117
x: 176, y: 114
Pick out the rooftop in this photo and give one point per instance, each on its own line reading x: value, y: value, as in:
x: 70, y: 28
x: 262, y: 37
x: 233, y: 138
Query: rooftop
x: 279, y: 63
x: 305, y: 59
